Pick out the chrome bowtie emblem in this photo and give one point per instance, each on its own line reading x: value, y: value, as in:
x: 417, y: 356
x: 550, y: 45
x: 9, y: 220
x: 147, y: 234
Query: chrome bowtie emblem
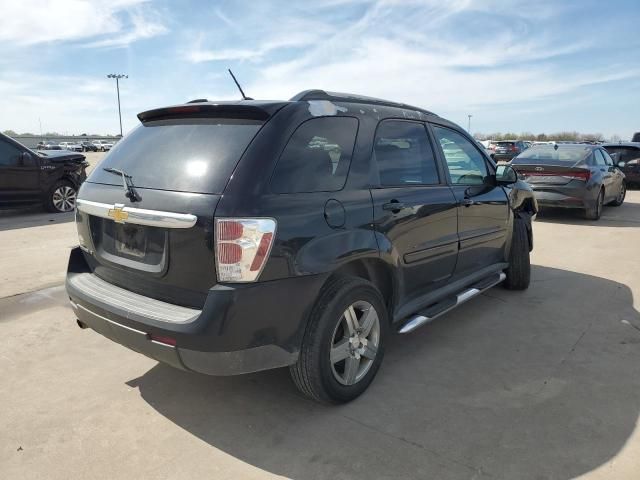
x: 117, y: 213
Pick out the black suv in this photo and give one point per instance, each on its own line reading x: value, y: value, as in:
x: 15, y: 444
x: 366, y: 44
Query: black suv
x: 232, y: 237
x: 51, y: 178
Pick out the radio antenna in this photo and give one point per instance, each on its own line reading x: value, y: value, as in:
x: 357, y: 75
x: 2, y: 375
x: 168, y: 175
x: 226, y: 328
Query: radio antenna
x: 244, y: 97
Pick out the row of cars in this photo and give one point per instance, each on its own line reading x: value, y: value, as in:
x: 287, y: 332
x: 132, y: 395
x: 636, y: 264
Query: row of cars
x: 84, y: 146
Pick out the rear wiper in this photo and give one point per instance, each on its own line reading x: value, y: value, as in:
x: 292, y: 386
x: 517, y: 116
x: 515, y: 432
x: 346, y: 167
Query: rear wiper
x: 129, y: 189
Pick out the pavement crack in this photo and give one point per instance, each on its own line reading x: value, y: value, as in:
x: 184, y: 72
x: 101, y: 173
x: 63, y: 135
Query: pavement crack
x: 476, y: 470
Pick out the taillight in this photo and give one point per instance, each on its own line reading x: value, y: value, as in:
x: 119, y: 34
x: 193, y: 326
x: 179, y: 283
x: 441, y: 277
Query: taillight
x: 514, y: 148
x: 242, y: 247
x: 586, y: 175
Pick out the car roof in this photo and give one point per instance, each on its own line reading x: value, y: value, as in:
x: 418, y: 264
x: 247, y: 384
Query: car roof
x: 622, y: 144
x: 327, y: 103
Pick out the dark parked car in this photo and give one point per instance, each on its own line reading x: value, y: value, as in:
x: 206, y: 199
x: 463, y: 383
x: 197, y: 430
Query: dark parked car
x: 627, y: 157
x: 89, y: 147
x: 232, y: 237
x: 572, y: 176
x: 636, y: 137
x: 504, y: 151
x: 28, y: 177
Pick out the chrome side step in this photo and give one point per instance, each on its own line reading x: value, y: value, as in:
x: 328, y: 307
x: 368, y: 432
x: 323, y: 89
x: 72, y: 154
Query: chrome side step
x: 422, y: 318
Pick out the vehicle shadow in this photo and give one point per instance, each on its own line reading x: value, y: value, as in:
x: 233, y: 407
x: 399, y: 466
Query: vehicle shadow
x: 537, y: 384
x: 31, y: 217
x: 626, y: 215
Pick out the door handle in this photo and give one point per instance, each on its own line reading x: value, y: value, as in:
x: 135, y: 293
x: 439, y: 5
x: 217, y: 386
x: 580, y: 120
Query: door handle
x: 394, y: 206
x: 467, y: 202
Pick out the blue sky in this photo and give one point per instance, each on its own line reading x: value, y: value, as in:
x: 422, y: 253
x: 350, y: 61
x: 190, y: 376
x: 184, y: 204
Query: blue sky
x: 515, y: 66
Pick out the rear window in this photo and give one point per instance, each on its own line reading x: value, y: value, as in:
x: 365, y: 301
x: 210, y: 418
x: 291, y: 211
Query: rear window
x: 504, y: 144
x: 186, y: 155
x: 543, y: 154
x: 317, y: 156
x: 625, y: 154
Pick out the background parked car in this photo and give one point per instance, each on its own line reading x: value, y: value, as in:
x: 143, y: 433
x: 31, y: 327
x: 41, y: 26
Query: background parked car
x: 572, y: 176
x: 72, y: 146
x: 103, y: 145
x: 627, y: 157
x: 88, y: 147
x: 505, y: 150
x: 50, y: 178
x: 636, y: 137
x: 48, y: 145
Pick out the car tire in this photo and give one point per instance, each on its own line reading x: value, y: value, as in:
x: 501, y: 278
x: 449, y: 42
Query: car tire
x: 337, y: 362
x: 595, y: 212
x: 519, y: 270
x: 619, y: 200
x: 62, y: 197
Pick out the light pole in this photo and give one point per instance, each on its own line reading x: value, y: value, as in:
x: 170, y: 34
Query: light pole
x: 469, y: 124
x: 118, y: 76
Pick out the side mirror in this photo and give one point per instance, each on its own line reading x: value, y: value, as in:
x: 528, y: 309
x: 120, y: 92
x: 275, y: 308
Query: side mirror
x: 506, y: 175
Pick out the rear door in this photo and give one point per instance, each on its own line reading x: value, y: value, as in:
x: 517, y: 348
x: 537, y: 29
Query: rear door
x: 483, y: 211
x: 18, y: 175
x: 609, y: 179
x: 414, y: 210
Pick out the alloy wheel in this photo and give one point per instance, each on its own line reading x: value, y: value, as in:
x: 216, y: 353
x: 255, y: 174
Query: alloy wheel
x: 64, y: 198
x: 354, y: 343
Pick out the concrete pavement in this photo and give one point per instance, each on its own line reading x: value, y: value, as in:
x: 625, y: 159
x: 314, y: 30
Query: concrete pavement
x: 512, y: 385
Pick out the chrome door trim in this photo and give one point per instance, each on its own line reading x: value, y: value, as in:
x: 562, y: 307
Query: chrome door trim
x: 138, y: 216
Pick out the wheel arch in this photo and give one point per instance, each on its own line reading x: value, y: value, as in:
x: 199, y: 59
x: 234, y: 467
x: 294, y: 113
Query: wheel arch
x: 374, y: 270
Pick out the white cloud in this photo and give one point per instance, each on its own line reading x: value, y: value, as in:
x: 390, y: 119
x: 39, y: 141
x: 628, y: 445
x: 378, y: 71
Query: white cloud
x: 113, y: 23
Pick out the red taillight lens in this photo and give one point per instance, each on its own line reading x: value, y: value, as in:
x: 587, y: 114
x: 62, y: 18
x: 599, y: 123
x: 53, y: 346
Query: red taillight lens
x: 263, y: 249
x: 514, y: 148
x: 242, y: 247
x: 586, y: 175
x: 163, y: 339
x: 229, y: 230
x: 229, y: 253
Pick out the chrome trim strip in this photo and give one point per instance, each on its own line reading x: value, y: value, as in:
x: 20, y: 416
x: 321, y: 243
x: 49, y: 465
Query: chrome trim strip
x: 139, y: 216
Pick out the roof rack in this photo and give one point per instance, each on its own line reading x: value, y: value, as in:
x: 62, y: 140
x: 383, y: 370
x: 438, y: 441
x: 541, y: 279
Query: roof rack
x: 307, y: 95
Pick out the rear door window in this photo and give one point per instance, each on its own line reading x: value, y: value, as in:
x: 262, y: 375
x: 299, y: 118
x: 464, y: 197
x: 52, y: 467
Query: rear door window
x: 600, y: 161
x: 403, y: 154
x: 9, y: 154
x: 187, y: 155
x: 317, y: 156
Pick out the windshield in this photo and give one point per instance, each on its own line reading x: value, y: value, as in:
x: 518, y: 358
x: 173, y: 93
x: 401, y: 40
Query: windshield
x: 187, y: 155
x: 547, y: 154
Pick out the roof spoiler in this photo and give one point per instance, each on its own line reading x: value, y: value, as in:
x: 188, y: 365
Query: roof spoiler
x: 234, y: 111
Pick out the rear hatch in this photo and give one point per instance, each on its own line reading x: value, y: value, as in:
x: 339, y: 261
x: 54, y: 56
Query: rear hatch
x: 553, y: 164
x: 177, y: 163
x: 505, y: 147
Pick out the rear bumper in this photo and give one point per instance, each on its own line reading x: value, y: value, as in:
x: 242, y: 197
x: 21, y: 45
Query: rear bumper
x: 503, y: 157
x: 240, y: 329
x: 565, y: 196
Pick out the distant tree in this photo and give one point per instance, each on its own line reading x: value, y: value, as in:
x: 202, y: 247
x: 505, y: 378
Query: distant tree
x: 10, y: 133
x: 615, y: 138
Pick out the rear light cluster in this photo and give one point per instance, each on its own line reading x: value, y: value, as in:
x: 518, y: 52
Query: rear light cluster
x: 242, y: 247
x: 580, y: 175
